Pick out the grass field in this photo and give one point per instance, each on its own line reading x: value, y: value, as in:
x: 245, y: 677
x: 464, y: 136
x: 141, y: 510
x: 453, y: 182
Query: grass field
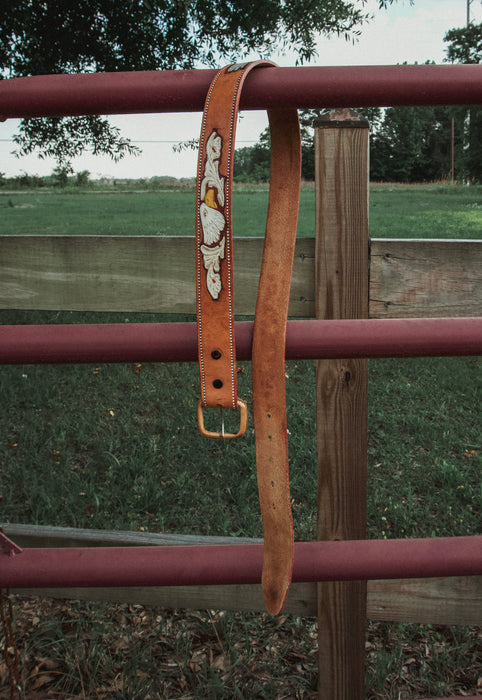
x: 115, y: 447
x: 426, y: 211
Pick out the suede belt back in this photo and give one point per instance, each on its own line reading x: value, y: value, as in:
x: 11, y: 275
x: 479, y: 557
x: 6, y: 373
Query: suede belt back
x: 215, y: 306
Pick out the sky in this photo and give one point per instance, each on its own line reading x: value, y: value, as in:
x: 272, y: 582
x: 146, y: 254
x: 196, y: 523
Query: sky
x: 403, y: 32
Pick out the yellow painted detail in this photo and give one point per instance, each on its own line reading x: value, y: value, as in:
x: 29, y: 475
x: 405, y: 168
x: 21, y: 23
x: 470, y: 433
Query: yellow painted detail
x: 210, y: 200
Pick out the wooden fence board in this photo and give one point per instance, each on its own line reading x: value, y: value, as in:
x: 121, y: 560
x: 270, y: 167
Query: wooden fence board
x: 425, y: 278
x: 437, y: 601
x: 132, y: 273
x: 408, y: 278
x: 456, y: 600
x: 53, y: 536
x: 449, y: 601
x: 247, y: 598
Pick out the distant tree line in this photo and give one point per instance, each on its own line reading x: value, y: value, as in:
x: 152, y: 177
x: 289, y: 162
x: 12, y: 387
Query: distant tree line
x: 60, y: 177
x: 407, y: 144
x: 64, y: 177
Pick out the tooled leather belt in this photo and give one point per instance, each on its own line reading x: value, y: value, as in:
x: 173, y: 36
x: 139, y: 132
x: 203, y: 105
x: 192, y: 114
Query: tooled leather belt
x: 215, y: 306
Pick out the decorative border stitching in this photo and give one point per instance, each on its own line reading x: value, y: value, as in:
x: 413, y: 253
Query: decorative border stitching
x: 203, y: 250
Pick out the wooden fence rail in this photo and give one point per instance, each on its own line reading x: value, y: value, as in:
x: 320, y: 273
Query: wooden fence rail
x: 408, y: 278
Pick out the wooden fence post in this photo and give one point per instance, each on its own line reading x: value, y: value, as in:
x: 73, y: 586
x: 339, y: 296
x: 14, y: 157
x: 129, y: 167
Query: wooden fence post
x: 341, y: 268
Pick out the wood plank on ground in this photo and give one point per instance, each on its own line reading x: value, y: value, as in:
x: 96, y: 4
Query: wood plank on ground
x: 437, y: 601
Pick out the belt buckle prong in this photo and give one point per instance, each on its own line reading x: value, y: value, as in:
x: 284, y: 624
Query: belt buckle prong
x: 223, y: 435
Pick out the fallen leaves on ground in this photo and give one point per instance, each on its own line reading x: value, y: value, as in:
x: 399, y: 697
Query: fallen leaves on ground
x: 74, y: 651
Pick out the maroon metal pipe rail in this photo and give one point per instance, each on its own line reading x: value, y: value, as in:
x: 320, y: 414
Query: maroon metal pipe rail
x: 177, y: 342
x: 237, y: 564
x: 185, y: 91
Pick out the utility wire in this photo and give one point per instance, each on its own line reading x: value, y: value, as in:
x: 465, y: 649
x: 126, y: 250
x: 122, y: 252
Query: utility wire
x: 132, y: 141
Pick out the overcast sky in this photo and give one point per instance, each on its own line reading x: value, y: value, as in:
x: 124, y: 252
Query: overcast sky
x: 404, y: 32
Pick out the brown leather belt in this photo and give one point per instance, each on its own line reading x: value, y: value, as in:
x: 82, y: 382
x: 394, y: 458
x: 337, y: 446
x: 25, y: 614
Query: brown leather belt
x: 215, y: 306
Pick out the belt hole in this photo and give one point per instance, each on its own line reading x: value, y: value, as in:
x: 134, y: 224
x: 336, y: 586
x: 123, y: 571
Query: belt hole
x: 216, y: 354
x: 217, y: 383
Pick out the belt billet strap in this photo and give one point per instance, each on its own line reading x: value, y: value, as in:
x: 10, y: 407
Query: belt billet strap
x: 215, y: 306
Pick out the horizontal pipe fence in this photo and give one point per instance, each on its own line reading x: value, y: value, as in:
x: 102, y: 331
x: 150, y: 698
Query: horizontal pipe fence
x: 455, y: 600
x: 340, y: 294
x: 185, y: 91
x: 228, y: 564
x: 177, y: 342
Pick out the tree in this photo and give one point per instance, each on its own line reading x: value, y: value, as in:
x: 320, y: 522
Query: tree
x: 407, y: 144
x: 412, y: 145
x: 53, y: 36
x: 465, y: 46
x: 252, y: 163
x: 60, y: 176
x: 82, y: 178
x: 68, y: 137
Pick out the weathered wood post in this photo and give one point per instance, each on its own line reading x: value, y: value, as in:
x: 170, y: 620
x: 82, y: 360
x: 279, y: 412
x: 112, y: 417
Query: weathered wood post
x: 342, y: 181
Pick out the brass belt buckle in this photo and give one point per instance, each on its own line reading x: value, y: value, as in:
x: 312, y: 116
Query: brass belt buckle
x: 243, y: 423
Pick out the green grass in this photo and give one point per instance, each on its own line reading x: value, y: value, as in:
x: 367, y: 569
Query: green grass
x: 116, y: 447
x: 426, y: 211
x: 119, y: 213
x: 122, y: 213
x: 425, y: 453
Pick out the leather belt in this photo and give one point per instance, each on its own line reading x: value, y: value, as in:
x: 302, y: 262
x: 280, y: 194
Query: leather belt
x: 215, y: 306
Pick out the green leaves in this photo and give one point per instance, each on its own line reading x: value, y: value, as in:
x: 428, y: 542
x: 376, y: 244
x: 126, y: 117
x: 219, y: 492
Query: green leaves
x: 465, y: 44
x: 67, y: 138
x: 122, y: 35
x: 103, y: 35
